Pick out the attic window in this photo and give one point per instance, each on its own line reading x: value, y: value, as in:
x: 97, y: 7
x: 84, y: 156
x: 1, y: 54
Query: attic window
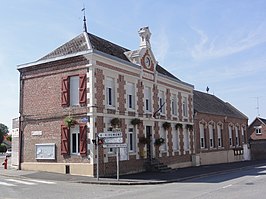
x: 258, y: 129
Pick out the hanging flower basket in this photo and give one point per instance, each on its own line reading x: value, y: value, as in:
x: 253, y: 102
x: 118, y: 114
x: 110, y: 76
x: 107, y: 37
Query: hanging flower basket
x: 159, y: 141
x: 115, y: 122
x: 178, y: 126
x: 144, y: 140
x: 189, y: 127
x: 69, y: 121
x: 166, y: 125
x: 135, y: 121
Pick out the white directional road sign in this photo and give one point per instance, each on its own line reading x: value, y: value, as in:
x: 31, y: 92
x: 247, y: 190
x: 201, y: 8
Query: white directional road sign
x: 114, y: 145
x: 110, y: 134
x: 114, y: 140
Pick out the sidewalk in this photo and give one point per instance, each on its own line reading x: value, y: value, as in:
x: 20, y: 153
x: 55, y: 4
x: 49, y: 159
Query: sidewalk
x: 177, y: 175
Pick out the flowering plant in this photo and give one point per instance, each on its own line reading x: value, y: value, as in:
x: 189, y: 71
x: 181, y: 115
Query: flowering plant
x: 159, y: 141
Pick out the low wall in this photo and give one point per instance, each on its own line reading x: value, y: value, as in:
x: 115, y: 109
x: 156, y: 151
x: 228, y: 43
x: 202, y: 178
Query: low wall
x: 64, y: 168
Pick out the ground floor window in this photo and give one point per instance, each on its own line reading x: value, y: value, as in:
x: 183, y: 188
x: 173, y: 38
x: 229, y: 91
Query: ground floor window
x: 74, y: 140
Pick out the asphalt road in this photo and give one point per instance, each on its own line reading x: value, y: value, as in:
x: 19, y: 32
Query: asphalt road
x: 245, y: 184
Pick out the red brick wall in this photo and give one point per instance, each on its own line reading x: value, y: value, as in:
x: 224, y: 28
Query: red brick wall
x: 225, y: 132
x: 41, y: 105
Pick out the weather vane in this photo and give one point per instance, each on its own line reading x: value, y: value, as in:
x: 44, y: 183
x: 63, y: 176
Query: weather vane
x: 84, y: 18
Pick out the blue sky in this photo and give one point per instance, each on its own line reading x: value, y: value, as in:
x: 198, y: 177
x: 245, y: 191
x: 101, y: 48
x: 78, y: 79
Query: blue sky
x: 216, y: 43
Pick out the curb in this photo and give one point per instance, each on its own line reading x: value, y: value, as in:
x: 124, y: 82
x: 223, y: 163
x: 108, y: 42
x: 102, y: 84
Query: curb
x: 126, y: 182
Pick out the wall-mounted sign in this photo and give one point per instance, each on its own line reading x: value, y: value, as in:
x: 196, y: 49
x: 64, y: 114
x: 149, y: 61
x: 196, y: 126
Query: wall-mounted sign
x: 35, y: 133
x: 45, y: 151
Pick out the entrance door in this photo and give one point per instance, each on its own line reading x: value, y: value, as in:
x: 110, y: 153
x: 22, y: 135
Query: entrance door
x: 149, y: 145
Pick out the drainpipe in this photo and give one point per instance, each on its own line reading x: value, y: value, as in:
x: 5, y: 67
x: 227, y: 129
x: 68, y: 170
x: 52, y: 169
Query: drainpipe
x: 20, y: 120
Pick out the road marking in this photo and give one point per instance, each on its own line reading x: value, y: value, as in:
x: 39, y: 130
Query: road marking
x: 7, y: 184
x: 21, y: 182
x: 257, y: 176
x: 227, y: 186
x: 41, y: 181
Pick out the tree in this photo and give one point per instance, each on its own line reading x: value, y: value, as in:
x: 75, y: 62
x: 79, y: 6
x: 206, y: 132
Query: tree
x: 3, y: 132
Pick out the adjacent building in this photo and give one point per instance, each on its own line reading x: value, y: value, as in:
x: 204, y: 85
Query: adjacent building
x: 220, y: 130
x: 257, y: 138
x: 89, y: 86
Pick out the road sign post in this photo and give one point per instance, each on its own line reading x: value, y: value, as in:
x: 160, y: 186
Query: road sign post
x: 111, y: 139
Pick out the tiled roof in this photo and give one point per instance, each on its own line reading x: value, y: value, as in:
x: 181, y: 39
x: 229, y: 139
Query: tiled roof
x: 255, y: 136
x: 207, y: 103
x: 80, y: 44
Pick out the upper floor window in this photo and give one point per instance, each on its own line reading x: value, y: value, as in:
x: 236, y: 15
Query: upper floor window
x: 110, y: 92
x: 130, y: 96
x: 258, y: 129
x: 147, y: 98
x: 161, y: 102
x: 174, y: 105
x: 184, y: 106
x: 74, y: 90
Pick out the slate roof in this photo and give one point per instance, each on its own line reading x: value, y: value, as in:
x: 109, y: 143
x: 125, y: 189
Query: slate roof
x: 80, y: 44
x: 207, y: 103
x: 263, y: 120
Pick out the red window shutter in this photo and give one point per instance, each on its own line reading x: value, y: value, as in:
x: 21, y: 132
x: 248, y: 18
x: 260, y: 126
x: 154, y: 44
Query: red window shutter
x: 64, y: 140
x: 65, y: 91
x: 82, y: 89
x: 83, y: 139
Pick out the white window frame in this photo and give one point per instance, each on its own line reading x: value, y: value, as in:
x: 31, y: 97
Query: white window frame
x: 174, y: 105
x: 202, y: 136
x: 185, y: 106
x: 258, y: 129
x: 243, y: 134
x: 147, y: 99
x: 219, y: 134
x: 176, y: 140
x: 161, y: 102
x: 110, y: 92
x: 132, y: 140
x: 186, y: 139
x: 131, y: 96
x: 237, y: 136
x: 74, y: 131
x: 211, y: 137
x: 230, y: 136
x: 163, y: 135
x: 74, y: 91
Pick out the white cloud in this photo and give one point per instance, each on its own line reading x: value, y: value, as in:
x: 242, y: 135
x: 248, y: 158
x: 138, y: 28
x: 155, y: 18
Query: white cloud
x: 232, y: 42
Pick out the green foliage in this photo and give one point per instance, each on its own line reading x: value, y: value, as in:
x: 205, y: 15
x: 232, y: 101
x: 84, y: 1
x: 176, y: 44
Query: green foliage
x: 69, y: 121
x: 9, y: 138
x: 159, y: 141
x: 3, y: 148
x: 135, y: 121
x: 178, y: 126
x: 115, y: 122
x: 166, y: 125
x: 3, y: 131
